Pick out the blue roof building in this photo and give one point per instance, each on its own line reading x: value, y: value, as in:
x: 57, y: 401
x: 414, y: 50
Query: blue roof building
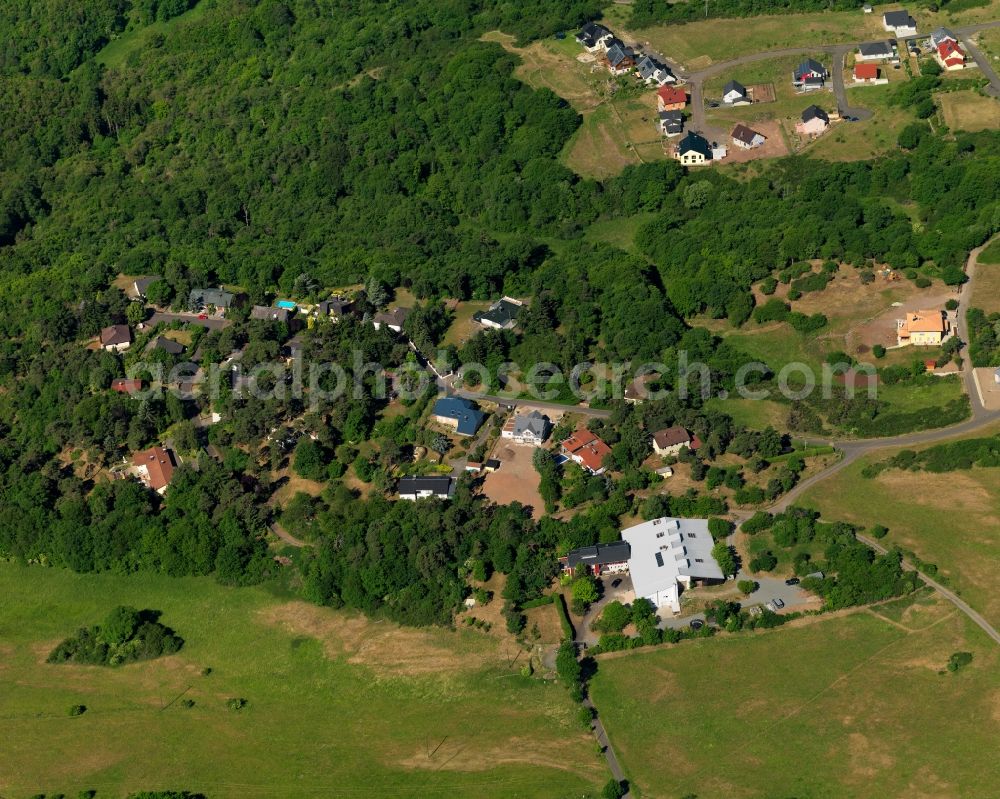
x: 462, y: 414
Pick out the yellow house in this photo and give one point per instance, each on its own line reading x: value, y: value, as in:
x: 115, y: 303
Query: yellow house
x: 922, y: 328
x: 693, y: 149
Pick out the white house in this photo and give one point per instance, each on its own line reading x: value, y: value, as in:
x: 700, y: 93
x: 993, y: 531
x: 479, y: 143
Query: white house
x: 668, y: 555
x: 529, y: 428
x: 734, y: 93
x: 747, y: 138
x: 875, y: 52
x: 593, y: 37
x: 116, y: 338
x: 501, y: 315
x: 393, y: 319
x: 899, y: 22
x: 651, y: 71
x: 414, y: 488
x: 671, y: 440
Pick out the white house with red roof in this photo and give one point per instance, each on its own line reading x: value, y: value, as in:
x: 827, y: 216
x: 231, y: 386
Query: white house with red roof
x: 950, y: 55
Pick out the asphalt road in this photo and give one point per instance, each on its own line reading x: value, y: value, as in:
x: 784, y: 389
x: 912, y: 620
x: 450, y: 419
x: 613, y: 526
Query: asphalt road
x: 697, y: 78
x: 984, y: 64
x: 191, y: 318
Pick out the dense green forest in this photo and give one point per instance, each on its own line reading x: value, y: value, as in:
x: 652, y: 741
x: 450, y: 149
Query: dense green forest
x: 277, y: 146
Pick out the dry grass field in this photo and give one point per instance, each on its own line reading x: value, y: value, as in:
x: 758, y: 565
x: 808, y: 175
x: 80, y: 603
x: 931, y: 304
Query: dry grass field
x: 969, y: 111
x: 986, y: 292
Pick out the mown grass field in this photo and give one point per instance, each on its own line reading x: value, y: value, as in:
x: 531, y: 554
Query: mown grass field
x: 950, y: 519
x: 852, y: 141
x: 846, y: 706
x: 755, y: 414
x: 338, y: 705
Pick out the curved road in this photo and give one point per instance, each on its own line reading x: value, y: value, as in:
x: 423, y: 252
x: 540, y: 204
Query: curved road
x: 852, y: 450
x: 697, y: 78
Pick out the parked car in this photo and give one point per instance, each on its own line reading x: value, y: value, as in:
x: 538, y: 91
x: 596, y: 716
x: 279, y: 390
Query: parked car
x: 696, y: 624
x: 792, y: 581
x: 616, y: 583
x: 779, y: 603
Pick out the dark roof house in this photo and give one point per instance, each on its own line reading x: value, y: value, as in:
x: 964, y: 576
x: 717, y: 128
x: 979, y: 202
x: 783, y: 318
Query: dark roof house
x: 734, y: 92
x: 460, y: 413
x: 501, y: 315
x: 899, y: 21
x: 393, y: 319
x: 598, y: 555
x: 142, y: 284
x: 809, y: 69
x: 267, y: 313
x: 875, y: 50
x: 335, y: 306
x: 591, y: 34
x: 220, y: 298
x: 671, y: 122
x: 693, y: 143
x: 815, y: 112
x: 438, y: 486
x: 116, y: 336
x: 169, y: 346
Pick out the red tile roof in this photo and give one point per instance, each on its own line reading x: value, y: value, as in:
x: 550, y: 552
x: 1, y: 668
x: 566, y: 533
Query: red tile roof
x: 159, y: 464
x: 950, y: 52
x: 865, y: 71
x: 669, y: 95
x: 125, y: 385
x: 588, y: 448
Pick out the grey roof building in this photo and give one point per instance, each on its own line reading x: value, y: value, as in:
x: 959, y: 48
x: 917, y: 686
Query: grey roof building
x: 502, y: 315
x: 169, y: 346
x: 220, y: 298
x: 815, y: 112
x: 875, y: 51
x: 269, y: 314
x: 335, y: 306
x: 528, y: 428
x: 671, y: 123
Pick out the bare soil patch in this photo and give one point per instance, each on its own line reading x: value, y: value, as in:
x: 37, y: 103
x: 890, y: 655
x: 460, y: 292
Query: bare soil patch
x: 516, y: 480
x: 761, y: 92
x: 774, y: 147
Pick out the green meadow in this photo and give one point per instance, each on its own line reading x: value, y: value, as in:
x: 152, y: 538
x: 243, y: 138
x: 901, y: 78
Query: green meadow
x: 850, y: 706
x: 336, y: 705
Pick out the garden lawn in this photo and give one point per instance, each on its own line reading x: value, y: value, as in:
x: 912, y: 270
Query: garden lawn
x: 337, y: 705
x: 846, y: 706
